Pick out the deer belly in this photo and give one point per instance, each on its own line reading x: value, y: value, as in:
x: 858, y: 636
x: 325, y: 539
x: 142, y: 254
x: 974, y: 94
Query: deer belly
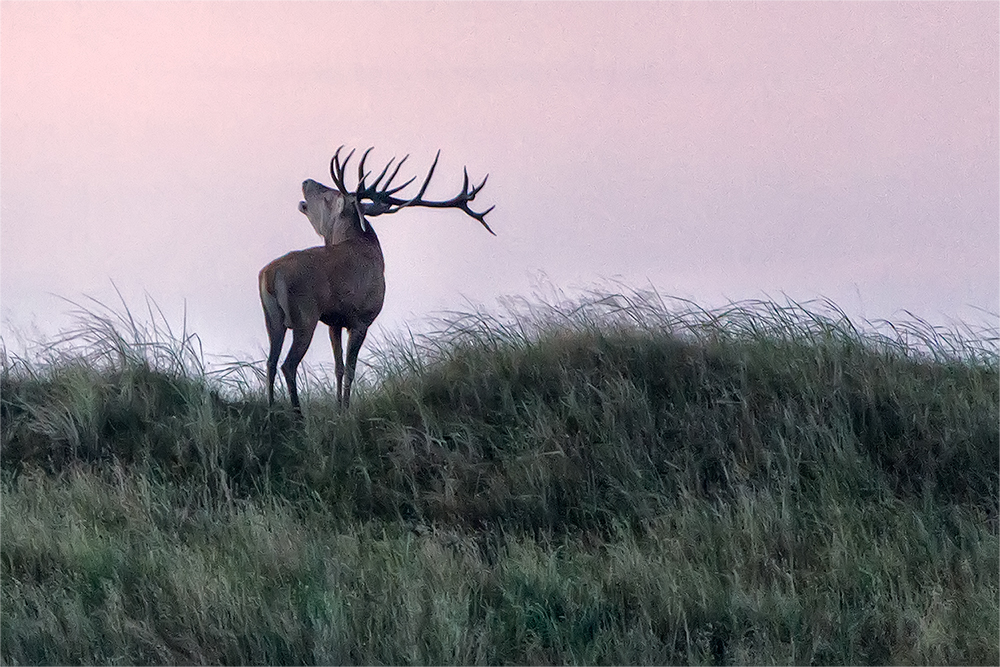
x: 352, y: 313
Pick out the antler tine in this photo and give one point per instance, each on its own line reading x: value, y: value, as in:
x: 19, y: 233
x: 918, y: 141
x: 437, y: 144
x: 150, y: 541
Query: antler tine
x: 334, y: 162
x: 427, y: 181
x: 347, y: 159
x: 467, y: 194
x: 481, y: 217
x: 387, y: 191
x: 397, y: 188
x: 361, y: 170
x: 337, y: 170
x: 479, y: 187
x: 382, y: 175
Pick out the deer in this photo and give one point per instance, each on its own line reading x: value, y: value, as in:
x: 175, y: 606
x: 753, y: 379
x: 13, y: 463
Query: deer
x: 341, y: 283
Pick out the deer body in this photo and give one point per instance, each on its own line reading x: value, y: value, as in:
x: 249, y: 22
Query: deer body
x: 341, y: 284
x: 309, y: 286
x: 305, y: 287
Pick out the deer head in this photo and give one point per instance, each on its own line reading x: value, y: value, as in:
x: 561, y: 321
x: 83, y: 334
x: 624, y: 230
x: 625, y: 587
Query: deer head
x: 333, y: 215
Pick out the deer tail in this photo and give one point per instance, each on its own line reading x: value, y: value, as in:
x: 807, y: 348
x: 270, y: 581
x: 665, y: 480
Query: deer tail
x: 276, y: 302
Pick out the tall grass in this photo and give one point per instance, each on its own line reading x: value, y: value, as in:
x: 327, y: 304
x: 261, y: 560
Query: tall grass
x: 618, y: 478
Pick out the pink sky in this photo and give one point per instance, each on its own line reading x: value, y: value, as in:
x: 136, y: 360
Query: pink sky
x: 716, y: 151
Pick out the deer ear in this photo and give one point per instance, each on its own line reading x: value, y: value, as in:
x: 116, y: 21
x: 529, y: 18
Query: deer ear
x: 337, y: 205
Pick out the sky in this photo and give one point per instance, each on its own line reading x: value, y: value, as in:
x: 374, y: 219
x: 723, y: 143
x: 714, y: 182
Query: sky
x: 712, y: 151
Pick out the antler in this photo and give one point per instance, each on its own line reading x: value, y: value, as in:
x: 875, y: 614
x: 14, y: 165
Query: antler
x: 383, y: 201
x: 337, y: 170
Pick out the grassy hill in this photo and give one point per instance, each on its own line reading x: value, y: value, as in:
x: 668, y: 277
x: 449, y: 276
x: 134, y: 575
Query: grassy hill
x: 615, y: 480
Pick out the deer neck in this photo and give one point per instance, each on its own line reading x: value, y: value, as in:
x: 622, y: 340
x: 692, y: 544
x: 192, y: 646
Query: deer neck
x: 352, y: 234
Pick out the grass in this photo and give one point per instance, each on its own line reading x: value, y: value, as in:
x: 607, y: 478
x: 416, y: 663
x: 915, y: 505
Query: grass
x: 617, y: 479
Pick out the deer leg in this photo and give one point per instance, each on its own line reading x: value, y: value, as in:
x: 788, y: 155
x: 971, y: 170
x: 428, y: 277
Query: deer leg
x: 276, y: 335
x: 354, y: 341
x: 300, y: 343
x: 338, y: 357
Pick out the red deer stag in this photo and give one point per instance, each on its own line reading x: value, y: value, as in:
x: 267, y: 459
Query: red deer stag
x: 342, y: 283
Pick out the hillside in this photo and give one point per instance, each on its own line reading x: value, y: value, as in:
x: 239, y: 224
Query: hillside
x: 614, y: 480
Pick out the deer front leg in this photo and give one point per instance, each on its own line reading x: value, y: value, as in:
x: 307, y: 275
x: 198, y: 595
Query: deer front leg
x: 338, y: 358
x: 354, y: 341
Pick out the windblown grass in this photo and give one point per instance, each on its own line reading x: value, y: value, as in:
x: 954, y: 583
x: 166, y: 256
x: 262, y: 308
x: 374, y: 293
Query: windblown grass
x: 616, y: 479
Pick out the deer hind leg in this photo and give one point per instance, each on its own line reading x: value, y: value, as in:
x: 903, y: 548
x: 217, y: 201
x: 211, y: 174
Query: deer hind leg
x: 277, y: 337
x: 275, y: 321
x: 354, y: 341
x: 301, y: 337
x: 338, y: 357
